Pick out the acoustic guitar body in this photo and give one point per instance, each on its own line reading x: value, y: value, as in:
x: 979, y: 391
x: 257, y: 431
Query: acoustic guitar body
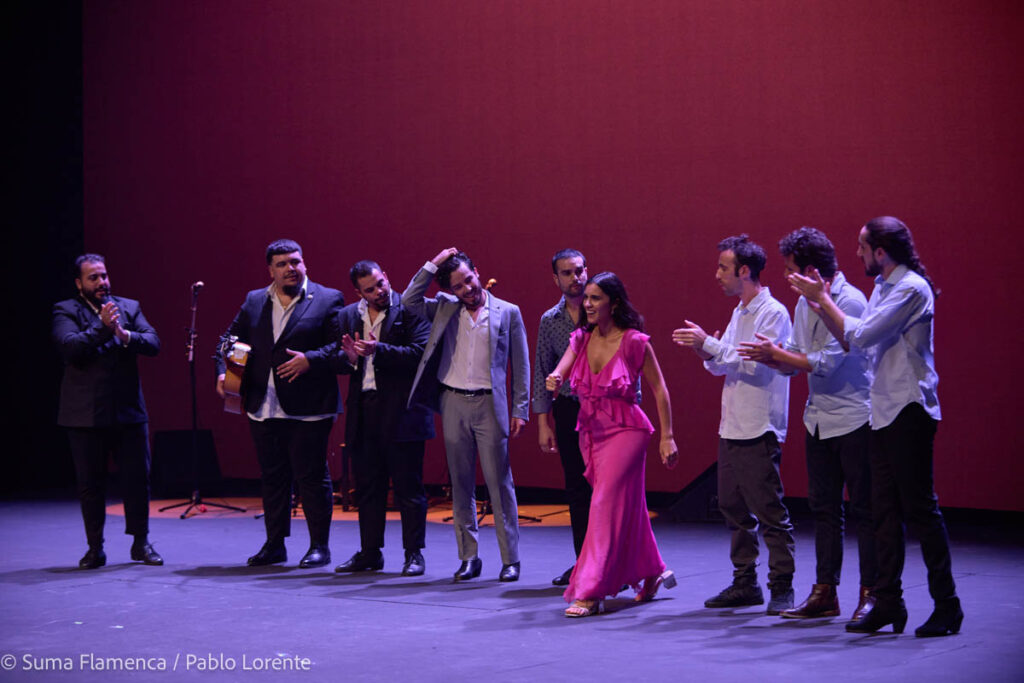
x: 236, y: 355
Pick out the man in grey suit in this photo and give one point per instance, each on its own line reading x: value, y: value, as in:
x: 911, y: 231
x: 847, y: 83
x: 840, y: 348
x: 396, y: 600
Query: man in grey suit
x: 474, y: 337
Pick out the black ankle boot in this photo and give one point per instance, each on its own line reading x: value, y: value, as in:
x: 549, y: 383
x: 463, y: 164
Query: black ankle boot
x: 945, y: 620
x: 883, y: 614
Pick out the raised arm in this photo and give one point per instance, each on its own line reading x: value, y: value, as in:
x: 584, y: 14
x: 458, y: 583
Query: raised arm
x: 818, y: 295
x: 414, y: 297
x: 905, y: 306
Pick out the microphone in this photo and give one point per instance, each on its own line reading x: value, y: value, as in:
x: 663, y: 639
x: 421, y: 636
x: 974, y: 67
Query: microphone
x: 197, y: 286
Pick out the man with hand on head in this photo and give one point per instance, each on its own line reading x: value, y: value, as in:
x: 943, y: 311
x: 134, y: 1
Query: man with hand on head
x: 476, y: 340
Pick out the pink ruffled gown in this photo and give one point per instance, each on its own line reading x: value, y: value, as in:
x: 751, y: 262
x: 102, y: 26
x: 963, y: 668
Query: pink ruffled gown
x: 614, y: 433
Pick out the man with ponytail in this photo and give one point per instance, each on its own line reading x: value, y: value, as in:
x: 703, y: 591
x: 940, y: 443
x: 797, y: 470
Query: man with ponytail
x: 896, y: 330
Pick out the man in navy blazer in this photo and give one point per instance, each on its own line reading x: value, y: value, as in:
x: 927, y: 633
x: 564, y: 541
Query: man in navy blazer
x: 290, y: 394
x: 99, y: 337
x: 474, y: 338
x: 381, y: 347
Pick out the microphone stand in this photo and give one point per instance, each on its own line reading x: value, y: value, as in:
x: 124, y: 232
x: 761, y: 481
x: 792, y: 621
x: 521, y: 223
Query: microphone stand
x: 196, y: 502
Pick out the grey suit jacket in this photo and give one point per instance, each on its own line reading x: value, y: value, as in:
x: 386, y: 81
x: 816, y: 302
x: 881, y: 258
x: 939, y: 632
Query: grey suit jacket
x: 507, y: 341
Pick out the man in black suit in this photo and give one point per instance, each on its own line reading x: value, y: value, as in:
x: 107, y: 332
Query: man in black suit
x: 380, y: 351
x: 99, y: 337
x: 290, y: 394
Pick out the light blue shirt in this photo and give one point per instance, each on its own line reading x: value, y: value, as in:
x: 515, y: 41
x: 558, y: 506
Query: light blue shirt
x: 897, y: 331
x: 755, y: 398
x: 838, y: 400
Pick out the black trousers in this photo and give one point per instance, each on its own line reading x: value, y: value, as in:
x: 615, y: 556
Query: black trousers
x: 831, y: 463
x: 376, y: 458
x: 130, y: 447
x: 565, y: 412
x: 287, y: 450
x: 750, y: 496
x: 903, y: 492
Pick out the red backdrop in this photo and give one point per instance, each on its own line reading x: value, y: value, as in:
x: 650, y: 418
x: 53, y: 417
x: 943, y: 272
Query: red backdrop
x: 639, y: 132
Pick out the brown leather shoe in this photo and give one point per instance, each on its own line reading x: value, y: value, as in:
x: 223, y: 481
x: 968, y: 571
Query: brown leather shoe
x: 822, y: 602
x: 865, y: 604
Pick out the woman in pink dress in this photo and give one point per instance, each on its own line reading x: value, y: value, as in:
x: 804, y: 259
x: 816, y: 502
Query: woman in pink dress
x: 602, y: 364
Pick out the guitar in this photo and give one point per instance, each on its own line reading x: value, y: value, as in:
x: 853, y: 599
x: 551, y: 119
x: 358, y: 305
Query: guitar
x: 236, y: 355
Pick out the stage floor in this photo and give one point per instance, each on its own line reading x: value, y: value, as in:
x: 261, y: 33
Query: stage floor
x: 207, y: 617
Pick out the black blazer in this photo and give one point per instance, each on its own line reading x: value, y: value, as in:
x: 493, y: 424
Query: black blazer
x: 312, y: 329
x: 101, y: 385
x: 399, y: 348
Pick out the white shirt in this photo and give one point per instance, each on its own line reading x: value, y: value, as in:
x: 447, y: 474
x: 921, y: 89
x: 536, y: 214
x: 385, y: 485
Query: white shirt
x: 466, y: 356
x: 369, y: 373
x: 839, y: 383
x: 755, y: 398
x: 280, y: 314
x: 897, y: 331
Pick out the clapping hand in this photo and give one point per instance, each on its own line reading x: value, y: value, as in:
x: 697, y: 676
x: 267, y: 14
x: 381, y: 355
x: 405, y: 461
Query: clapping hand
x: 761, y: 351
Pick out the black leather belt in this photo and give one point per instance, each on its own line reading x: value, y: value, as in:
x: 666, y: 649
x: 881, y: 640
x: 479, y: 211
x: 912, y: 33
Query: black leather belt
x: 467, y: 392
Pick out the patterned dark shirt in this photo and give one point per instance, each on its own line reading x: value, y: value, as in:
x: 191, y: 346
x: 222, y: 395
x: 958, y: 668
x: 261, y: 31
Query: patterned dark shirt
x: 552, y: 340
x: 556, y: 326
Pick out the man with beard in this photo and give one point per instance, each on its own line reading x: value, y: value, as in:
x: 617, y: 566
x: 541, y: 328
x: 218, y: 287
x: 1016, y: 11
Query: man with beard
x: 897, y: 331
x: 836, y: 420
x: 381, y: 347
x: 99, y: 337
x: 290, y: 394
x: 755, y: 407
x: 474, y: 337
x: 556, y: 325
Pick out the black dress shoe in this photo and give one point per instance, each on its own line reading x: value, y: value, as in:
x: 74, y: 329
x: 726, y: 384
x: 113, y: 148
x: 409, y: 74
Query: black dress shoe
x: 144, y: 553
x: 362, y: 561
x: 509, y: 572
x: 316, y: 556
x: 945, y: 620
x: 93, y: 559
x: 469, y: 569
x: 883, y: 614
x: 414, y: 563
x: 563, y: 578
x: 270, y: 553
